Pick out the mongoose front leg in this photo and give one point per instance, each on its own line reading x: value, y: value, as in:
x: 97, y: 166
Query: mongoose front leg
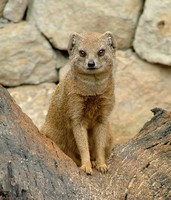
x: 80, y: 134
x: 100, y: 145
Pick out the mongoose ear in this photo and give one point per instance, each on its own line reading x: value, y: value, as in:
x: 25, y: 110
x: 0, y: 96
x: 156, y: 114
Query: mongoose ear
x: 73, y: 43
x: 110, y: 40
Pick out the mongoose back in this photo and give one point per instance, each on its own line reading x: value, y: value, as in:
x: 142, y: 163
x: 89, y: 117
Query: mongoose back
x: 77, y: 119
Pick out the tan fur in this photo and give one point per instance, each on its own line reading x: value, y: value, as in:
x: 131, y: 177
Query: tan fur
x: 77, y: 119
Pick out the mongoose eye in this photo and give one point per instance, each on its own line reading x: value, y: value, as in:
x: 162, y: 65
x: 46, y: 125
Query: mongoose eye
x: 82, y: 53
x: 101, y: 52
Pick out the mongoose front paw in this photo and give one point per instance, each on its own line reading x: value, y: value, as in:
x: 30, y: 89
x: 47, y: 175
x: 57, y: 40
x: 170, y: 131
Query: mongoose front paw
x: 87, y: 169
x: 102, y: 168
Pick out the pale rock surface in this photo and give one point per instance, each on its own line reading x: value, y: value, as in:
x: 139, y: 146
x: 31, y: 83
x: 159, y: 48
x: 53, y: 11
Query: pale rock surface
x: 2, y: 5
x: 153, y: 35
x: 140, y: 86
x: 15, y: 9
x: 57, y: 19
x: 25, y: 56
x: 3, y: 22
x: 34, y: 100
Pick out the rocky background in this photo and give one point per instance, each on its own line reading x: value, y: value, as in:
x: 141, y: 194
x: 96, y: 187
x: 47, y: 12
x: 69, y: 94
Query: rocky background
x: 33, y: 43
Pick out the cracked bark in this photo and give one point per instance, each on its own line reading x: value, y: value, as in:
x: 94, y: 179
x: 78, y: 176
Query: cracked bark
x: 147, y: 159
x: 33, y: 167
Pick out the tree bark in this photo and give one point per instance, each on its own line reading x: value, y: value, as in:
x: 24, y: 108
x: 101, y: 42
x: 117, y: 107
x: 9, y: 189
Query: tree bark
x: 144, y: 170
x: 33, y: 167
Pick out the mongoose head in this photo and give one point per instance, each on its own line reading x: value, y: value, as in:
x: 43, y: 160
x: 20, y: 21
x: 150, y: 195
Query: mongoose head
x: 91, y: 52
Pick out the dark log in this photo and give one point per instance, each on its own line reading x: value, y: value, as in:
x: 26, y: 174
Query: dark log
x: 33, y: 167
x: 144, y: 164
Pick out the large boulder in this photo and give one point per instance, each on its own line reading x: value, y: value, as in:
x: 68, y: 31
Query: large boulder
x: 140, y: 86
x: 2, y: 5
x: 34, y: 100
x: 153, y: 35
x: 57, y: 19
x: 15, y: 10
x: 25, y: 56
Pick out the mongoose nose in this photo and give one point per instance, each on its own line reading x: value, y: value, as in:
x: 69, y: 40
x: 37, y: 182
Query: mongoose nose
x: 91, y: 63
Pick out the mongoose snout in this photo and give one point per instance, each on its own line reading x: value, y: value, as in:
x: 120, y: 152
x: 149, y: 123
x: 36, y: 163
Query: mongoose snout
x: 91, y: 64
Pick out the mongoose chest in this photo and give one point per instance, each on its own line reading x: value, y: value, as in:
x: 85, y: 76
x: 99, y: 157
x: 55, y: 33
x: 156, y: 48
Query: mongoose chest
x: 92, y: 108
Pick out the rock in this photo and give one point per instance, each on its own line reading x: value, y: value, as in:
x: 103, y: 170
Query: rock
x: 2, y: 5
x: 57, y: 19
x: 62, y: 59
x: 15, y: 10
x: 140, y: 86
x: 25, y: 56
x: 34, y: 100
x: 3, y: 22
x: 153, y: 35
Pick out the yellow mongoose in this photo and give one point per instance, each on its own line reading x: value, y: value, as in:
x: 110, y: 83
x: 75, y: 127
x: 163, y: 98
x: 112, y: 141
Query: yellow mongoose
x: 77, y: 119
